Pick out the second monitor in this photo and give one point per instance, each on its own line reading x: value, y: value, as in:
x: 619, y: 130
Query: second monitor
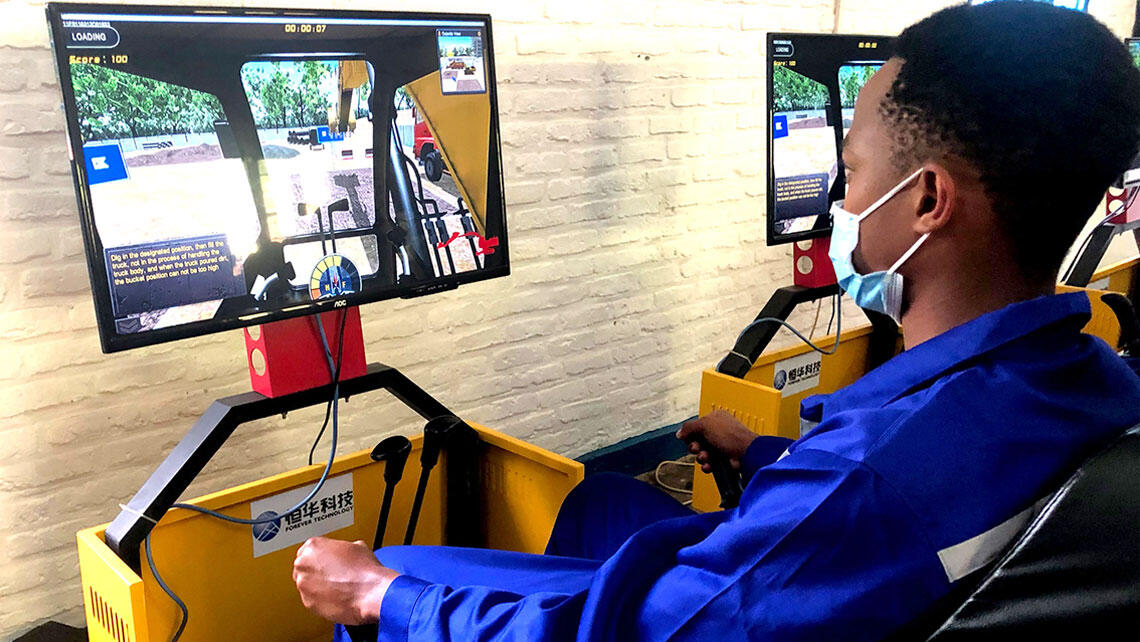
x: 813, y: 80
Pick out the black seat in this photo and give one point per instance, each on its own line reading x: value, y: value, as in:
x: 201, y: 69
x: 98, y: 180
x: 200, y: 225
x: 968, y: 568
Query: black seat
x: 1073, y: 572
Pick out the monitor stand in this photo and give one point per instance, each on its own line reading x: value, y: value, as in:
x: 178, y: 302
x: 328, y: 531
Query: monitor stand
x: 126, y: 532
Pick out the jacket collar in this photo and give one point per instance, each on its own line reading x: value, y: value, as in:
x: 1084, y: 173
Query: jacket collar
x: 928, y: 361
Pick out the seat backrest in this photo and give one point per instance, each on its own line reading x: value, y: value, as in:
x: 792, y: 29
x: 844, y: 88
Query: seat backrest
x: 1075, y: 570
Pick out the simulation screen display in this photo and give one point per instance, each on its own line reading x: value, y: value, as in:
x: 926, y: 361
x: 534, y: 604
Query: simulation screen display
x: 1078, y: 5
x: 812, y: 87
x: 1132, y: 174
x: 239, y: 166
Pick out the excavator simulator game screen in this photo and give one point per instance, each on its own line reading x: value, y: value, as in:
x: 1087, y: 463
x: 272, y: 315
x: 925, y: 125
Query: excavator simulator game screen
x: 812, y: 86
x: 238, y: 166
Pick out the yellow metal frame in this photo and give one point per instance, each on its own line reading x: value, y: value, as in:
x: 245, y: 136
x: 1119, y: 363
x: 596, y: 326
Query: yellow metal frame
x: 234, y: 596
x: 1117, y: 277
x: 766, y: 412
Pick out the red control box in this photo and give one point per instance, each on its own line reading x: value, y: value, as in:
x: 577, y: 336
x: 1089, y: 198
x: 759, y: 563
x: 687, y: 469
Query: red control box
x: 1119, y: 201
x: 812, y: 267
x: 287, y: 356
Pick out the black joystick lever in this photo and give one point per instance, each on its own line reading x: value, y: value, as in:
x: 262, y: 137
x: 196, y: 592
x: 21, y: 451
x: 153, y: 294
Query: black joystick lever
x: 435, y: 435
x: 394, y: 452
x: 726, y: 477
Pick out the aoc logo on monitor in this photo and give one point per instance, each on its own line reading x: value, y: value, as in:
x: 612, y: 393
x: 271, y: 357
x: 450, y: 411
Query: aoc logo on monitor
x: 268, y: 530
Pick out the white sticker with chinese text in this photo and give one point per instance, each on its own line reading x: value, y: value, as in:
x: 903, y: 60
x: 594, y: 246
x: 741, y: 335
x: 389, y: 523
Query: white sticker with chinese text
x: 329, y: 510
x: 797, y: 374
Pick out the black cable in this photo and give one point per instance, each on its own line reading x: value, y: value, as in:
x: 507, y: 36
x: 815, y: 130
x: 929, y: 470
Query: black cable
x: 336, y: 377
x: 334, y: 371
x: 328, y: 465
x: 834, y: 304
x: 166, y: 589
x: 789, y: 327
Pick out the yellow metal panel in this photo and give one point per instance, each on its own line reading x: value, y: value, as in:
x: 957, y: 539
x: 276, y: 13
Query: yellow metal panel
x: 523, y: 487
x: 112, y: 593
x: 763, y: 409
x: 836, y: 371
x: 234, y: 596
x: 1103, y: 323
x: 210, y: 563
x: 753, y: 404
x: 353, y: 74
x: 461, y: 127
x: 1120, y: 275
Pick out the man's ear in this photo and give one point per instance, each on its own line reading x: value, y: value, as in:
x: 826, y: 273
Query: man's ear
x: 937, y: 192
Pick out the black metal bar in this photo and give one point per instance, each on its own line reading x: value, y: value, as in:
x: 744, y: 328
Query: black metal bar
x: 462, y: 453
x: 321, y: 227
x: 1092, y: 253
x: 301, y: 239
x: 433, y: 240
x: 382, y: 521
x: 751, y: 344
x: 128, y: 530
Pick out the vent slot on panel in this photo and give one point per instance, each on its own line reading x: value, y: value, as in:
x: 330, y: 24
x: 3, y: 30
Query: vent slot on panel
x: 112, y: 624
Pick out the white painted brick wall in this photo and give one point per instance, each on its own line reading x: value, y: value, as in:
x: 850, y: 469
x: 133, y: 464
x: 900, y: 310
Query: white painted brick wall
x: 633, y: 142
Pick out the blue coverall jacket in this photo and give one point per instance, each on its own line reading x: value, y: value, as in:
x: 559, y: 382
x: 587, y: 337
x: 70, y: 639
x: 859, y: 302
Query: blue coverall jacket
x: 903, y: 483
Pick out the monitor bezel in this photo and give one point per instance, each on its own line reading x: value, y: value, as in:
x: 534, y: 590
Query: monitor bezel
x: 110, y: 340
x: 772, y: 237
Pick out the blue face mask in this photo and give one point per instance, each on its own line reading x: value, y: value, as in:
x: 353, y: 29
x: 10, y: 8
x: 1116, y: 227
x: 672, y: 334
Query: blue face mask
x: 879, y: 291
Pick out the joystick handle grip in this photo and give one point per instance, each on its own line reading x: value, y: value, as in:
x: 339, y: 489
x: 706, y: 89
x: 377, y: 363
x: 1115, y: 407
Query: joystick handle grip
x: 394, y: 451
x: 435, y: 435
x: 726, y: 477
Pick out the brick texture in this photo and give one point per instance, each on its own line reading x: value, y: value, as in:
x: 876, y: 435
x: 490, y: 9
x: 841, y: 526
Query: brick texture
x: 633, y: 143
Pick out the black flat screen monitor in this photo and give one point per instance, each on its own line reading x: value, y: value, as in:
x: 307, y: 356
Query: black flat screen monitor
x: 1131, y: 176
x: 240, y: 166
x: 813, y: 80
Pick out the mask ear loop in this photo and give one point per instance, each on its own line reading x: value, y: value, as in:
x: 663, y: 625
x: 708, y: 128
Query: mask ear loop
x: 906, y: 255
x: 889, y: 195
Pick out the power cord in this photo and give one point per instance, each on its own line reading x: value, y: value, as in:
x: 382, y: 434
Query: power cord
x: 815, y: 320
x: 334, y: 371
x: 336, y: 377
x: 166, y: 589
x: 675, y: 489
x: 832, y: 317
x: 834, y: 347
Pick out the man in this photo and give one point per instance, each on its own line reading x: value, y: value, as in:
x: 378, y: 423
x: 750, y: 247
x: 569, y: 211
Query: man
x: 975, y: 156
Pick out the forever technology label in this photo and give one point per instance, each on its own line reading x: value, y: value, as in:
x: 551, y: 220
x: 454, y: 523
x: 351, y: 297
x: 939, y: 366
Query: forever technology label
x: 797, y: 374
x: 330, y: 509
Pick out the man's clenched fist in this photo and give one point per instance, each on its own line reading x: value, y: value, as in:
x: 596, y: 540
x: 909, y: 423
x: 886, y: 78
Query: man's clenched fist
x: 341, y: 581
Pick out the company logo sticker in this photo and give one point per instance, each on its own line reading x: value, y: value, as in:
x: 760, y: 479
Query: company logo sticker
x: 331, y: 509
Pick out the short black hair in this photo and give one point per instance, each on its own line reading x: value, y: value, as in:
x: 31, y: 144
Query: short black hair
x: 1043, y: 102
